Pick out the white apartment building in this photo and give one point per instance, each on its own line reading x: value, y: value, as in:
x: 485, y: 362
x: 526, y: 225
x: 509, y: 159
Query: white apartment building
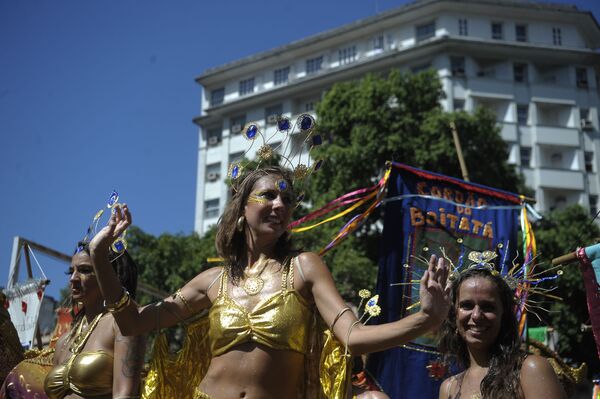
x: 535, y: 65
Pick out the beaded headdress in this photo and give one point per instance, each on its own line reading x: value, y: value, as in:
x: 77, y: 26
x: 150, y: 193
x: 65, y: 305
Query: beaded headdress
x: 523, y: 278
x: 120, y: 244
x: 287, y: 141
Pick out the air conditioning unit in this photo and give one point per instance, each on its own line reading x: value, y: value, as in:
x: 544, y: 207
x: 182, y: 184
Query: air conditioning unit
x: 582, y: 84
x: 213, y: 140
x: 586, y: 124
x: 212, y: 176
x: 272, y: 119
x: 236, y: 128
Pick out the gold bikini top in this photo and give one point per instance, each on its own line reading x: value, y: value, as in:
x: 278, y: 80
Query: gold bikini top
x: 280, y: 321
x: 86, y: 374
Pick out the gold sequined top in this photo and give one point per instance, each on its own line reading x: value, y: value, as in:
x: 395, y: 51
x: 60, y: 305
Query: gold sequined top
x: 281, y: 321
x: 87, y: 374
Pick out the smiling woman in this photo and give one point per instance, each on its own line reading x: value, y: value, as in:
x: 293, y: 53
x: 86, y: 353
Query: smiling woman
x: 266, y: 303
x: 481, y: 331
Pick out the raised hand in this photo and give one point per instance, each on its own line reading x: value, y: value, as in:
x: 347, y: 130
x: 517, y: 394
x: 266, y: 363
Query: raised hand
x: 434, y: 291
x: 119, y: 221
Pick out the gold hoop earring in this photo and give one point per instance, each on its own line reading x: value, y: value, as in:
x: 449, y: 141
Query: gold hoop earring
x: 240, y: 223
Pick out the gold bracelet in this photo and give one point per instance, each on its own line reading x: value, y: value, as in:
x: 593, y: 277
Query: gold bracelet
x: 120, y: 304
x: 187, y: 305
x: 340, y: 313
x: 348, y: 336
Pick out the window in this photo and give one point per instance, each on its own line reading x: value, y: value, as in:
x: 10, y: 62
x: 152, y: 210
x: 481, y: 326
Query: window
x: 521, y: 32
x: 213, y: 171
x: 497, y: 31
x: 520, y: 72
x: 347, y: 55
x: 593, y: 205
x: 217, y: 96
x: 522, y: 114
x: 378, y: 42
x: 556, y: 36
x: 425, y: 31
x: 463, y: 27
x: 281, y: 76
x: 559, y: 203
x: 458, y: 104
x: 272, y: 113
x: 556, y: 159
x: 246, y: 86
x: 581, y: 77
x: 589, y: 161
x: 314, y: 65
x: 236, y: 157
x: 457, y: 66
x: 526, y: 157
x: 213, y: 137
x: 309, y: 106
x: 211, y: 208
x: 236, y: 124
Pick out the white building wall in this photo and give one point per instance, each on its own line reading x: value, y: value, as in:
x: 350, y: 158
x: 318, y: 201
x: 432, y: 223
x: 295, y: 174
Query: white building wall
x: 551, y: 135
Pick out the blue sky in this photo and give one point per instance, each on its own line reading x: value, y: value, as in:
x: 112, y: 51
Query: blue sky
x: 100, y: 95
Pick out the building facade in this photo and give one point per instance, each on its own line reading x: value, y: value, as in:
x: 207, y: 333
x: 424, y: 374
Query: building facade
x: 536, y: 66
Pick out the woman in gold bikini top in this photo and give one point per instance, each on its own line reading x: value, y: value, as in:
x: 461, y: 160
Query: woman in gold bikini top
x: 259, y: 314
x: 94, y: 360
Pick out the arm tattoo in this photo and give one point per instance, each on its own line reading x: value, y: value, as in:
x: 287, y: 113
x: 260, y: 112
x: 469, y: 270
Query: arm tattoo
x: 133, y: 361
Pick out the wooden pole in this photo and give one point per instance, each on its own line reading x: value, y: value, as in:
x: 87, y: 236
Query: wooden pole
x: 38, y: 334
x: 459, y: 153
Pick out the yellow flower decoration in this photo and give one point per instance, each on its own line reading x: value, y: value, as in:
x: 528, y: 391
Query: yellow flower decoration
x: 364, y: 294
x: 374, y: 311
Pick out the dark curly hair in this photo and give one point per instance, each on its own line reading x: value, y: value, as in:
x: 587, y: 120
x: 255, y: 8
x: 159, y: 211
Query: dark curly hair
x: 230, y: 242
x: 502, y: 379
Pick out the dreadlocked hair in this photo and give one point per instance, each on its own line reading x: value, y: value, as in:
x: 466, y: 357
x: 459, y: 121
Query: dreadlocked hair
x: 503, y: 377
x: 230, y: 242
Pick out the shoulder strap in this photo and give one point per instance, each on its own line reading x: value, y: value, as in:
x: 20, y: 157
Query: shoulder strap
x: 215, y: 280
x: 300, y: 269
x: 223, y: 285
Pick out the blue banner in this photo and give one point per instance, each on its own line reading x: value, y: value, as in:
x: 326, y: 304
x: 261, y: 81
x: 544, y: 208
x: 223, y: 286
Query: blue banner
x: 426, y: 213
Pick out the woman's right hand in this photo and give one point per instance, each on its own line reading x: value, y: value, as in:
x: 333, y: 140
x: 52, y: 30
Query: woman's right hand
x: 434, y: 291
x: 119, y: 221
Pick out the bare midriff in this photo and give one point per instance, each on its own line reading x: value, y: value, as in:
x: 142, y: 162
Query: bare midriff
x: 251, y: 371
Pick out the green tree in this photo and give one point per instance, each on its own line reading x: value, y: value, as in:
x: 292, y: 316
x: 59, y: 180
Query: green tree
x: 167, y: 262
x: 559, y: 233
x: 395, y: 117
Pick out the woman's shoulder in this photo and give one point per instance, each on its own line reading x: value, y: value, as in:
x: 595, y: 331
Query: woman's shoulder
x: 206, y: 278
x: 538, y: 376
x: 534, y: 364
x: 310, y: 264
x: 447, y: 389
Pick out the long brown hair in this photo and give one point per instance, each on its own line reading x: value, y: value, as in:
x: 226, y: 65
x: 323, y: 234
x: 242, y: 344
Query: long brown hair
x: 503, y: 377
x: 230, y: 242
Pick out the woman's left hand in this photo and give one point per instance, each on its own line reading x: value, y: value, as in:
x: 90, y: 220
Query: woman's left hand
x: 434, y: 291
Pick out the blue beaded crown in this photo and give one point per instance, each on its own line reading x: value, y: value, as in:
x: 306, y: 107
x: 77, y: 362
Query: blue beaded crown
x: 120, y: 244
x: 295, y: 159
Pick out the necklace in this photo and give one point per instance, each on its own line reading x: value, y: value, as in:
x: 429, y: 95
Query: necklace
x: 81, y: 337
x: 474, y: 395
x: 253, y: 284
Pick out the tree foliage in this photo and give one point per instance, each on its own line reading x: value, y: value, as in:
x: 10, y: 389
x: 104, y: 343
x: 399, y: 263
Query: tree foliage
x: 559, y: 233
x: 393, y: 118
x: 168, y: 261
